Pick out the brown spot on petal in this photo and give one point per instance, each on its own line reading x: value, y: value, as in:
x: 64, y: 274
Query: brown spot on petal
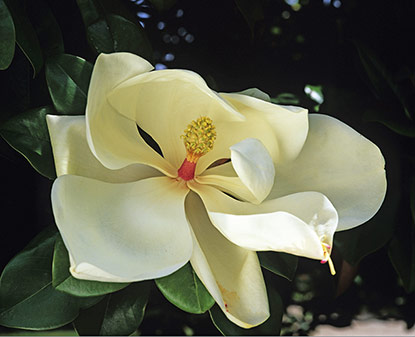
x: 229, y: 297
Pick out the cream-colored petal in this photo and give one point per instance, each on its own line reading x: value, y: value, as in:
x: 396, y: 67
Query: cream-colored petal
x: 340, y: 163
x: 297, y: 224
x: 113, y: 138
x: 231, y: 274
x: 230, y: 185
x: 164, y: 102
x: 254, y: 166
x: 117, y: 233
x: 255, y: 175
x: 73, y: 156
x: 289, y: 123
x: 225, y: 179
x: 255, y: 92
x: 230, y: 133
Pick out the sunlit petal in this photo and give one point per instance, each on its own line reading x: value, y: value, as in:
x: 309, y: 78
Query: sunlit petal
x: 230, y: 185
x: 117, y: 233
x: 73, y: 156
x: 255, y: 92
x: 289, y: 123
x: 232, y: 274
x: 254, y: 166
x: 340, y: 163
x: 296, y: 224
x: 226, y: 179
x: 164, y: 102
x: 113, y: 138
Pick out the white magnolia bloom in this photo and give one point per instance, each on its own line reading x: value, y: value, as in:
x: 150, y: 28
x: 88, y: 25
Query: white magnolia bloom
x: 127, y: 213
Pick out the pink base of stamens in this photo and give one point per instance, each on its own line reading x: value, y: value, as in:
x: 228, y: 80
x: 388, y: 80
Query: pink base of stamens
x: 187, y: 170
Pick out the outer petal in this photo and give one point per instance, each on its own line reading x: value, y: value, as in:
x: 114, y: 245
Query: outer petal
x: 232, y: 274
x: 73, y: 156
x: 116, y: 232
x: 254, y: 166
x: 289, y: 123
x: 164, y: 102
x: 295, y: 224
x: 114, y: 139
x: 340, y: 163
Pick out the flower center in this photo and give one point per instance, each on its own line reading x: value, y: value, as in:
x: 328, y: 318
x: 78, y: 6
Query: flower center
x: 327, y: 258
x: 198, y: 137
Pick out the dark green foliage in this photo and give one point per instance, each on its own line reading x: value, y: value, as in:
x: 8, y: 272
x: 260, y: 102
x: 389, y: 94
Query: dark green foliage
x: 118, y: 314
x: 28, y: 134
x: 68, y: 79
x: 184, y: 289
x: 109, y: 33
x: 26, y: 37
x: 27, y: 297
x: 282, y: 264
x: 7, y: 37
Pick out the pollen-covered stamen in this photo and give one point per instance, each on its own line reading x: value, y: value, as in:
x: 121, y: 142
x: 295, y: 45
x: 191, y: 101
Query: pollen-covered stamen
x: 199, y: 137
x: 327, y: 258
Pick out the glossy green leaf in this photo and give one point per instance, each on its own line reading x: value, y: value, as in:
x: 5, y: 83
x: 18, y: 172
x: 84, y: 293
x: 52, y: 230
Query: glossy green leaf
x: 163, y: 5
x: 108, y: 33
x: 119, y: 314
x: 402, y: 247
x: 27, y: 298
x: 62, y: 280
x: 271, y: 327
x: 28, y: 134
x: 89, y: 11
x: 26, y: 37
x: 286, y: 98
x: 117, y: 34
x: 68, y: 79
x: 129, y: 37
x: 7, y: 37
x: 281, y: 264
x: 184, y: 289
x: 100, y: 38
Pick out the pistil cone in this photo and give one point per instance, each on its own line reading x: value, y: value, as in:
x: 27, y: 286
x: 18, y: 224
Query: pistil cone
x: 187, y: 170
x: 198, y: 137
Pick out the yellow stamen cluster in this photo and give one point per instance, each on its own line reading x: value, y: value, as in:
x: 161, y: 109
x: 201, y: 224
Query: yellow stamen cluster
x: 199, y: 137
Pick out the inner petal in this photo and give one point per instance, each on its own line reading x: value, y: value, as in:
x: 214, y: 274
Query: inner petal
x: 112, y: 138
x: 163, y: 102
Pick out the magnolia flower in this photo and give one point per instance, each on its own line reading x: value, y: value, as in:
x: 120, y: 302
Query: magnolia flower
x: 236, y: 175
